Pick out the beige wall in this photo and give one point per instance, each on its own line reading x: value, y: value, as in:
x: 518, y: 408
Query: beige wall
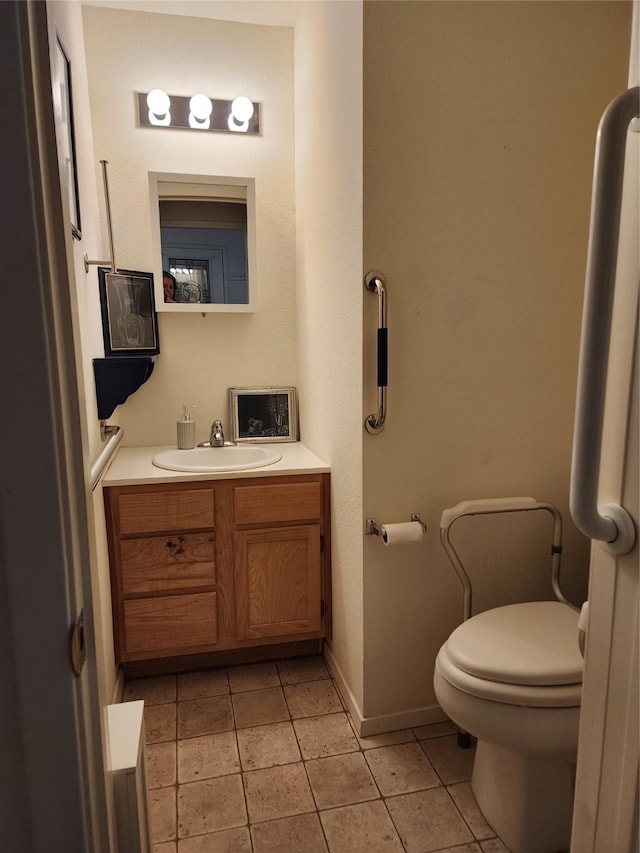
x: 201, y: 357
x: 479, y: 128
x: 328, y: 73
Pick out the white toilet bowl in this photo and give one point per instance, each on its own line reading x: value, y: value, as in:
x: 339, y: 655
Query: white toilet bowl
x: 512, y: 677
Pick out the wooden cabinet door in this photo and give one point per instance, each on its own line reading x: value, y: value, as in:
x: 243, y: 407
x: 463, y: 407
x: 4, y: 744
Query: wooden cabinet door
x: 278, y: 590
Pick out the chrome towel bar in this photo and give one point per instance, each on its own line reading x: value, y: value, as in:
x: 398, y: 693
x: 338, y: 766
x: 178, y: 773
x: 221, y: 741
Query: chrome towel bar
x: 375, y: 282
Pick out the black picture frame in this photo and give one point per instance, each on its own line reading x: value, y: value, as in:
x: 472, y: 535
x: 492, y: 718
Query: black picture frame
x: 263, y: 414
x: 129, y: 319
x: 63, y: 104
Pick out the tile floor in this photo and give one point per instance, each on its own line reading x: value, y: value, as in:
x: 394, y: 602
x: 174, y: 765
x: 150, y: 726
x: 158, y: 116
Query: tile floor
x: 263, y: 758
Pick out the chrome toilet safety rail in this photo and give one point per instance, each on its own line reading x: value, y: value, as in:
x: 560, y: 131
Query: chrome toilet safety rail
x: 495, y: 506
x: 375, y: 282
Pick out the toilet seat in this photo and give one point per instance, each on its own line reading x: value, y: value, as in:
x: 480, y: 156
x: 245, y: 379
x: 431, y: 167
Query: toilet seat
x: 532, y: 696
x: 521, y: 654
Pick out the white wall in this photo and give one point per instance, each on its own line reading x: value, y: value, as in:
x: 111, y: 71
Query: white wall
x: 201, y: 357
x: 328, y: 85
x: 479, y: 131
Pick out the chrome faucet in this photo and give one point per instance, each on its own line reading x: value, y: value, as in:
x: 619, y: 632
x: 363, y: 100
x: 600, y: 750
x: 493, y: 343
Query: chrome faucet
x: 217, y: 435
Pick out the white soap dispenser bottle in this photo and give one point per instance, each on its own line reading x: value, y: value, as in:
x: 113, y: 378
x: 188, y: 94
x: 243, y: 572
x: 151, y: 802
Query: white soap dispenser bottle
x: 186, y: 430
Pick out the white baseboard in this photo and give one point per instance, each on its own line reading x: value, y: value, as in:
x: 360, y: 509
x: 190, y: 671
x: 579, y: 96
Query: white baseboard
x: 367, y: 726
x: 118, y: 687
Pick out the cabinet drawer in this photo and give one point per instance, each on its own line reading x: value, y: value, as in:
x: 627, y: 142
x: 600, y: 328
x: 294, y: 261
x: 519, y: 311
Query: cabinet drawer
x: 277, y: 503
x: 152, y: 512
x: 170, y: 623
x: 162, y: 563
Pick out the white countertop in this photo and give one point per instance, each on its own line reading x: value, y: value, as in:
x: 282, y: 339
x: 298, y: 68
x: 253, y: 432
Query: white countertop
x: 133, y: 465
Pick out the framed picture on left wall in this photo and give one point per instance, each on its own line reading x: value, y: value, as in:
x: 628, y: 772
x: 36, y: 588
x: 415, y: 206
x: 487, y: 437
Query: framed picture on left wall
x: 63, y: 110
x: 129, y: 319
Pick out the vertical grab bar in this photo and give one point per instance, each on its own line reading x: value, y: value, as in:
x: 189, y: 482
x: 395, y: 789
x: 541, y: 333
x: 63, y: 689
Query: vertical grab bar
x: 375, y: 283
x: 609, y: 524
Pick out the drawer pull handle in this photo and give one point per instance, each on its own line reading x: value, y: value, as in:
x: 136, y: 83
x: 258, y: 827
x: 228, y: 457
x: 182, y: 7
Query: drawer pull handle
x: 177, y: 545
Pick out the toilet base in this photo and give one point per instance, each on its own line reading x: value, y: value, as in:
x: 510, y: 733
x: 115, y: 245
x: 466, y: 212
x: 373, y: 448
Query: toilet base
x: 528, y: 801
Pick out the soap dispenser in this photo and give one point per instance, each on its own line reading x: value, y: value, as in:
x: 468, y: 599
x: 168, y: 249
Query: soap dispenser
x: 186, y: 430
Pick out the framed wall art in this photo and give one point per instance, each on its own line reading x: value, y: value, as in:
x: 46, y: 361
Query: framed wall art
x: 129, y: 320
x: 263, y: 414
x: 63, y: 107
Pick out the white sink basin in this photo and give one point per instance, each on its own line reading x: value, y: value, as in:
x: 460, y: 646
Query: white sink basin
x: 199, y: 460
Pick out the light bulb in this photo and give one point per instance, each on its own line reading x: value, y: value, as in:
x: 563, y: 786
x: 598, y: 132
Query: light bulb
x: 242, y: 109
x: 201, y: 106
x: 158, y: 102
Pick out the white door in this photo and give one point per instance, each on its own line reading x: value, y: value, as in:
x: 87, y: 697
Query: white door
x: 606, y: 801
x: 52, y: 784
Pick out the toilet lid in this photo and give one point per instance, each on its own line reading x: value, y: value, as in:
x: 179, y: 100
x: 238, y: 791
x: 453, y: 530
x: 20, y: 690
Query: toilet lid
x: 535, y: 643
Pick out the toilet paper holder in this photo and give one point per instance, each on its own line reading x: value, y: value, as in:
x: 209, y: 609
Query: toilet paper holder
x: 373, y: 529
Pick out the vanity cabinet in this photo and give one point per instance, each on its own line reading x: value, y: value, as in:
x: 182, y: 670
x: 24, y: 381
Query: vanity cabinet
x: 278, y: 568
x: 209, y: 566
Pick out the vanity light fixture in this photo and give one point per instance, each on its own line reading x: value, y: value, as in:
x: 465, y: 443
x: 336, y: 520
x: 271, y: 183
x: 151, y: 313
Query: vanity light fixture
x: 198, y: 112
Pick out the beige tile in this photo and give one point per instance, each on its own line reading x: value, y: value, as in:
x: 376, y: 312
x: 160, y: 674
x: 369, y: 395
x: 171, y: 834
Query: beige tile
x: 295, y: 670
x: 210, y: 805
x: 160, y: 764
x: 462, y: 795
x: 259, y: 707
x: 493, y: 846
x: 364, y: 828
x: 204, y: 716
x: 435, y: 730
x: 302, y: 834
x: 227, y: 841
x: 312, y: 698
x: 157, y: 690
x: 277, y: 792
x: 463, y: 848
x: 330, y: 734
x: 401, y: 768
x: 198, y: 685
x: 165, y: 847
x: 207, y: 756
x: 341, y: 780
x: 268, y: 746
x: 428, y: 820
x: 162, y: 814
x: 160, y: 723
x: 253, y: 676
x: 451, y: 763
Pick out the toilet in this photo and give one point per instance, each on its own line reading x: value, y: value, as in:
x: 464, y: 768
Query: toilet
x: 512, y: 677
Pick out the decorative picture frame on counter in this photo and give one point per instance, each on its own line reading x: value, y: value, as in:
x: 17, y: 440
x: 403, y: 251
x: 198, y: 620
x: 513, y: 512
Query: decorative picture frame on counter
x: 129, y: 319
x: 263, y: 414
